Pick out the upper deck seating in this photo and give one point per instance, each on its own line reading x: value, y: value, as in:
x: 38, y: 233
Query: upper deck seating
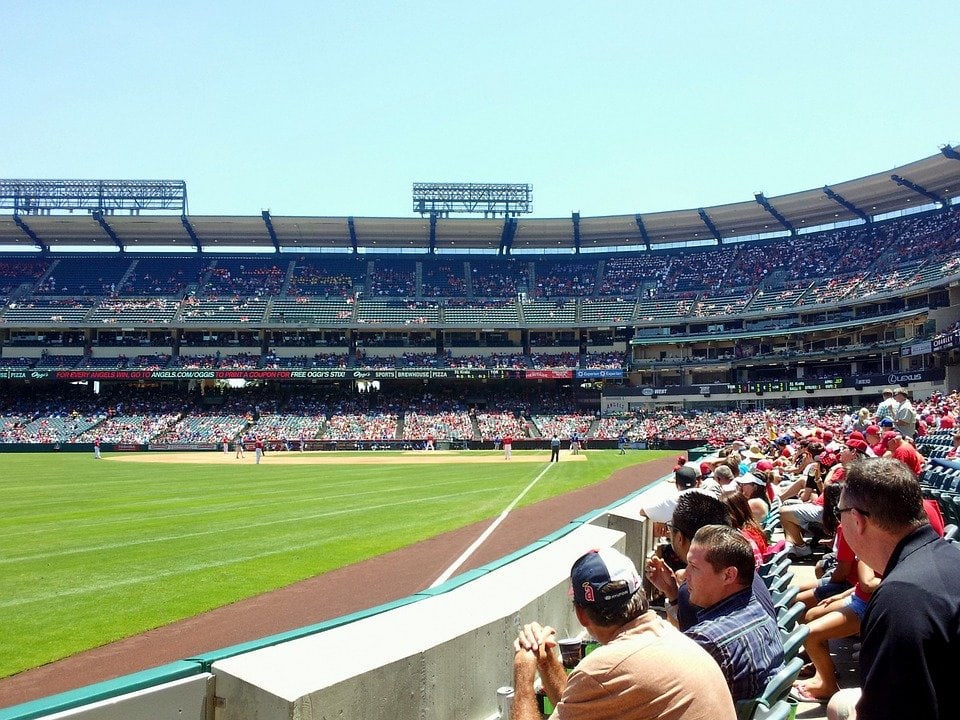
x: 443, y: 278
x: 566, y: 278
x: 393, y: 277
x: 499, y: 277
x: 251, y: 276
x: 327, y: 275
x: 397, y: 312
x: 170, y: 275
x: 85, y: 275
x: 615, y: 311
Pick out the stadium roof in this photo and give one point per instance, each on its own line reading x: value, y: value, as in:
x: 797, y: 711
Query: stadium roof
x: 921, y: 183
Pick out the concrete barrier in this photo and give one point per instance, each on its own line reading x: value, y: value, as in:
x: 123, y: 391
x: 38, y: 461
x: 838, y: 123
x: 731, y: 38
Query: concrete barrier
x: 438, y: 658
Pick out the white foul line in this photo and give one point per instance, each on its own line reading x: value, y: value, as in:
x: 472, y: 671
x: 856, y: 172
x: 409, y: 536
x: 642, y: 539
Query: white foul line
x: 489, y: 531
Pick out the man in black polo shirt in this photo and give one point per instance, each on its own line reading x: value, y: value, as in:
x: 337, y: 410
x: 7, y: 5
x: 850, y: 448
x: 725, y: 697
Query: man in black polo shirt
x: 910, y: 633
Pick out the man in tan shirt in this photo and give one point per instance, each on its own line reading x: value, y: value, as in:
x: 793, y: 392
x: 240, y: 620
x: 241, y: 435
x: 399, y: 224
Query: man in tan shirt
x: 643, y: 669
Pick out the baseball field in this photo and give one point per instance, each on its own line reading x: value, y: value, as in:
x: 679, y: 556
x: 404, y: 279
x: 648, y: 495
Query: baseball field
x: 92, y: 551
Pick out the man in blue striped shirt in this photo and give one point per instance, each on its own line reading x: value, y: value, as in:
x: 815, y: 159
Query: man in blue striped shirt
x: 732, y: 625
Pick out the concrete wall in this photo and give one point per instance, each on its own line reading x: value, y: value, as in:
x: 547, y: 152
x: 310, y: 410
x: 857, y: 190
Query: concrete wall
x: 187, y: 699
x: 442, y: 657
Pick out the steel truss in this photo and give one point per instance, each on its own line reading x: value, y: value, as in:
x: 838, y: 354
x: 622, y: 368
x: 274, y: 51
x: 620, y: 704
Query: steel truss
x: 43, y: 197
x: 491, y: 199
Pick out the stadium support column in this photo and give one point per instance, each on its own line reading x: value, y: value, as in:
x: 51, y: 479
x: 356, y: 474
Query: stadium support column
x: 44, y: 248
x: 433, y: 234
x: 98, y: 216
x: 643, y: 231
x: 507, y: 235
x: 920, y: 190
x: 185, y: 221
x: 843, y: 202
x: 576, y: 233
x: 710, y: 226
x: 353, y: 234
x: 765, y: 204
x: 270, y: 231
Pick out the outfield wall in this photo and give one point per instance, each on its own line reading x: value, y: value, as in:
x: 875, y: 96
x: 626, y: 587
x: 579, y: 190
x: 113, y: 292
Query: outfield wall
x: 440, y: 653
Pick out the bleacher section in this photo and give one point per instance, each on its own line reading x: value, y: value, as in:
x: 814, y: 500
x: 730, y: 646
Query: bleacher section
x: 41, y: 312
x: 223, y: 311
x: 499, y: 277
x: 169, y: 275
x: 253, y: 276
x: 554, y: 314
x: 135, y: 310
x: 397, y: 312
x: 85, y: 275
x: 327, y: 275
x: 479, y: 314
x: 311, y: 311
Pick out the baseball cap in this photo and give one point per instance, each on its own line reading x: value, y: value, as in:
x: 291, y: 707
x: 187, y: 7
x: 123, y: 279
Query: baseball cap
x: 901, y: 391
x: 705, y: 469
x: 872, y: 430
x: 855, y: 435
x: 887, y: 437
x: 685, y: 476
x: 828, y: 459
x: 603, y: 578
x: 857, y: 444
x: 764, y: 465
x: 886, y: 422
x: 750, y: 479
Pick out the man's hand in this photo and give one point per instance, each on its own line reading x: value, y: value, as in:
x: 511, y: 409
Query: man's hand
x: 533, y: 649
x: 538, y: 639
x: 662, y: 577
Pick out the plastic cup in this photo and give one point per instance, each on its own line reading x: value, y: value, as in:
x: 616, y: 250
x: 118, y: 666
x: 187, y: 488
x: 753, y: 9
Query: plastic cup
x: 571, y: 651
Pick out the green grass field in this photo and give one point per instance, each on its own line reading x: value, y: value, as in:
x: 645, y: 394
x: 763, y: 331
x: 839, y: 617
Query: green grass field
x: 96, y: 551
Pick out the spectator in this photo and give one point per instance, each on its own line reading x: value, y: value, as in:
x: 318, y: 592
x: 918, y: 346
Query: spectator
x: 887, y: 407
x: 905, y: 418
x: 903, y: 450
x: 909, y: 630
x: 642, y: 669
x: 685, y: 479
x: 694, y: 511
x: 732, y: 625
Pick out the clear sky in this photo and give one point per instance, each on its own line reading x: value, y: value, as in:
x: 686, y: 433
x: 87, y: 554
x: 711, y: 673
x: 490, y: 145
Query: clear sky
x: 336, y: 108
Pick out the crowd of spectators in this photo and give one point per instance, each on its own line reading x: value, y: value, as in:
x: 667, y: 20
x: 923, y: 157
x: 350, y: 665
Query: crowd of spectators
x: 499, y: 278
x: 452, y: 425
x: 244, y: 277
x: 563, y: 426
x: 567, y: 278
x: 44, y: 416
x: 392, y: 281
x: 443, y: 280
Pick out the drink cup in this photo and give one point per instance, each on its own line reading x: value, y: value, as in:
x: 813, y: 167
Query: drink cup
x: 571, y: 651
x: 505, y: 702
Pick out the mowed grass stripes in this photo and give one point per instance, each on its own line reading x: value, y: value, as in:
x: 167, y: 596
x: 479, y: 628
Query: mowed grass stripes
x: 94, y: 551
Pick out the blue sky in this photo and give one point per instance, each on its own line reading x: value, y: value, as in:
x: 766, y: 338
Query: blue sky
x: 323, y: 108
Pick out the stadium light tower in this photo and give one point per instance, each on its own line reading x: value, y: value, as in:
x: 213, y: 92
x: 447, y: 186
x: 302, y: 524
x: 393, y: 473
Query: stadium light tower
x: 46, y: 197
x: 491, y: 199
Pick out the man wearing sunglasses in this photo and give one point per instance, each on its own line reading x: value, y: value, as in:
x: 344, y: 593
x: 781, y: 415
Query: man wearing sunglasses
x: 910, y: 634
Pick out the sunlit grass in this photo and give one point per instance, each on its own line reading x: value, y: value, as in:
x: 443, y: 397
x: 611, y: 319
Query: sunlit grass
x: 91, y: 552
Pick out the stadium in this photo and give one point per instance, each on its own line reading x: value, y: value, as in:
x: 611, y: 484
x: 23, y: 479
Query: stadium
x: 130, y: 326
x: 376, y: 330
